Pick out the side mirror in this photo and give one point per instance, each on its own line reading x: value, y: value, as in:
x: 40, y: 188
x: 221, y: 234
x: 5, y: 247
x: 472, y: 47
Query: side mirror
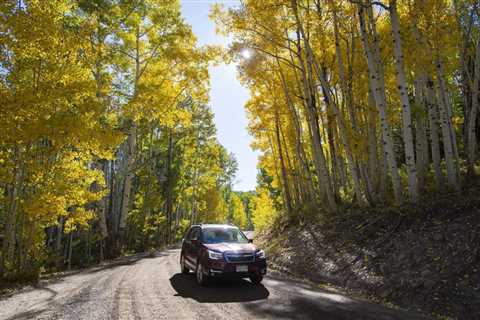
x: 250, y: 240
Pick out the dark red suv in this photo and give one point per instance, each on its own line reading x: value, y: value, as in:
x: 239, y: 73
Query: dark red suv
x: 216, y: 250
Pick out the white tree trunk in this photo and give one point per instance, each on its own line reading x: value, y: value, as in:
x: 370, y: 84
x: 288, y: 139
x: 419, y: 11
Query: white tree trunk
x: 300, y: 152
x: 369, y: 169
x: 11, y: 216
x: 346, y: 93
x: 101, y: 204
x: 369, y: 190
x: 376, y: 78
x: 405, y: 103
x: 445, y: 124
x: 58, y: 242
x: 102, y: 217
x: 383, y: 172
x: 131, y: 144
x: 421, y: 132
x: 472, y: 116
x: 372, y: 140
x: 286, y: 185
x: 434, y: 136
x: 127, y: 187
x: 331, y: 103
x: 320, y: 161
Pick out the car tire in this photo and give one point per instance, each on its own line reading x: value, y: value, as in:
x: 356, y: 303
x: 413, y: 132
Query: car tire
x: 202, y: 278
x: 183, y: 267
x: 256, y: 279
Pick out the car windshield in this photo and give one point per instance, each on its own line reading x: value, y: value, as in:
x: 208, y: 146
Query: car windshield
x: 218, y: 235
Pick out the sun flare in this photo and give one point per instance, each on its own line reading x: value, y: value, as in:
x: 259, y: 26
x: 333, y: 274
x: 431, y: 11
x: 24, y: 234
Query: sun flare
x: 246, y: 53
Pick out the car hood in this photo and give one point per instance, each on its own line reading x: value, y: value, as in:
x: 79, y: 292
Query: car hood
x: 236, y: 247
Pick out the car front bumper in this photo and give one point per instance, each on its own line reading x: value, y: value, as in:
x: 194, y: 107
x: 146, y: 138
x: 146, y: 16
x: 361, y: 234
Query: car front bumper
x: 218, y: 268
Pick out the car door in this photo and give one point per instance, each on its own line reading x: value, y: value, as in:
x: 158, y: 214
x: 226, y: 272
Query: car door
x: 191, y: 250
x: 186, y: 243
x: 196, y: 245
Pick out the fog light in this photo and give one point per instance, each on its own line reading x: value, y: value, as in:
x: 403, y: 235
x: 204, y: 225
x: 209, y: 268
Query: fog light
x: 213, y: 271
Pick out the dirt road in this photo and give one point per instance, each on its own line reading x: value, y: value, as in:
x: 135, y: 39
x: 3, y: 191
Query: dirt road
x: 140, y: 287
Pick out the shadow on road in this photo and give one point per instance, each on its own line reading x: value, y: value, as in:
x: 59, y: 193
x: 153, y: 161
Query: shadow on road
x: 26, y: 315
x: 306, y: 302
x: 219, y: 291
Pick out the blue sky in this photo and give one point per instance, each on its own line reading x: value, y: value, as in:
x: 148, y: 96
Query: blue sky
x: 227, y: 96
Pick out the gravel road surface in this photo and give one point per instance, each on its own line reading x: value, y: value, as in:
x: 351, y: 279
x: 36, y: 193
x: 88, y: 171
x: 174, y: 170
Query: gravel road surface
x: 152, y: 287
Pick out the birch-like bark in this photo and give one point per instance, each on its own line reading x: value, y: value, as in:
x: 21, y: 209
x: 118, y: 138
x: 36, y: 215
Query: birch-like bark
x: 131, y: 146
x: 342, y: 168
x: 332, y: 139
x: 127, y: 186
x: 383, y: 172
x: 58, y: 242
x: 169, y: 182
x: 472, y: 116
x: 432, y: 110
x: 372, y: 144
x: 193, y: 217
x: 312, y: 190
x: 98, y: 68
x: 421, y: 103
x: 300, y: 152
x: 405, y: 103
x: 466, y: 13
x: 101, y: 205
x: 377, y: 86
x: 280, y: 178
x: 194, y: 214
x: 296, y: 183
x: 70, y: 251
x: 448, y: 104
x: 364, y: 169
x: 421, y: 144
x: 445, y: 124
x: 286, y: 187
x: 346, y: 93
x: 8, y: 252
x: 331, y: 103
x: 320, y: 161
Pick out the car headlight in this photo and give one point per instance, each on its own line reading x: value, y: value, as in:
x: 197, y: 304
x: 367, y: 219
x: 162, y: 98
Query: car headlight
x: 215, y: 255
x: 260, y: 254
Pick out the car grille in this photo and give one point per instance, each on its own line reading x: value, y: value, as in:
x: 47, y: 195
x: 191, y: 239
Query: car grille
x: 240, y: 257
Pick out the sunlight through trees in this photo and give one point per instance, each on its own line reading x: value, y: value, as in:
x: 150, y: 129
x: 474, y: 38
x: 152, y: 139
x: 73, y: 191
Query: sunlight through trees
x: 357, y: 102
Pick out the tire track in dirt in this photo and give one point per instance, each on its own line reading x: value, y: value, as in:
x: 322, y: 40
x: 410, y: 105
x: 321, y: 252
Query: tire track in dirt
x: 152, y: 287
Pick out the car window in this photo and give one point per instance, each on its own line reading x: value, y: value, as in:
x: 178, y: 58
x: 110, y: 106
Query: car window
x: 218, y: 235
x: 190, y: 233
x: 187, y: 234
x: 195, y: 233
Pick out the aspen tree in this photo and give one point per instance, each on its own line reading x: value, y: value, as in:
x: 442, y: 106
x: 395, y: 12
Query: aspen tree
x: 404, y: 99
x: 376, y: 78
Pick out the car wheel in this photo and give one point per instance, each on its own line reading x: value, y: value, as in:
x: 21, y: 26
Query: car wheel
x: 202, y: 278
x: 256, y: 279
x: 183, y: 267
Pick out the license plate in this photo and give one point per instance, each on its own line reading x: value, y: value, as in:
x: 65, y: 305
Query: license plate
x: 242, y: 268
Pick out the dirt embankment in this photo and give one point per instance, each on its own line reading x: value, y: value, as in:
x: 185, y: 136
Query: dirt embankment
x: 424, y: 258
